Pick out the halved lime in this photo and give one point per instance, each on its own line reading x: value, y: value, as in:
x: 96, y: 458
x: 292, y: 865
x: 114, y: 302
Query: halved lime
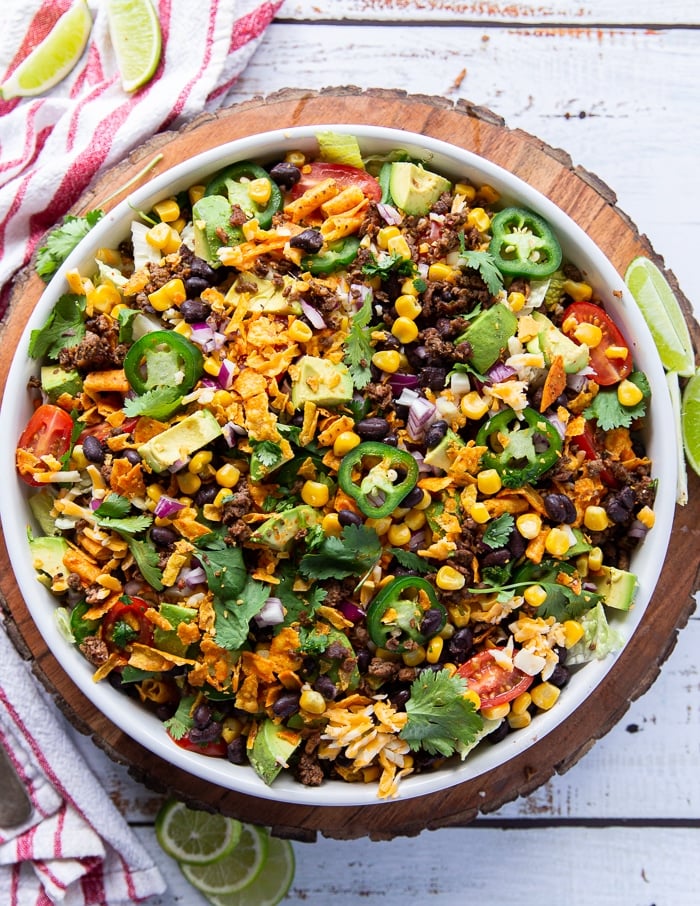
x: 136, y: 37
x: 663, y: 315
x: 54, y: 57
x: 271, y: 885
x: 690, y: 422
x: 193, y: 836
x: 234, y: 870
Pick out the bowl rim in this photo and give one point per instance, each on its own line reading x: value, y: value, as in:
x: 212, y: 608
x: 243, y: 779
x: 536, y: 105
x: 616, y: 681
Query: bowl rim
x: 452, y: 160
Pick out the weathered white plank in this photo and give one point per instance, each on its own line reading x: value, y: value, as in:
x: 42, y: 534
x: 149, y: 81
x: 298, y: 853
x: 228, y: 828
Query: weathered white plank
x: 618, y: 102
x: 611, y: 12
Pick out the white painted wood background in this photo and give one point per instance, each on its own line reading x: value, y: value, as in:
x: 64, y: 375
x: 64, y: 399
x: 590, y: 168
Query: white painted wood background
x: 615, y: 83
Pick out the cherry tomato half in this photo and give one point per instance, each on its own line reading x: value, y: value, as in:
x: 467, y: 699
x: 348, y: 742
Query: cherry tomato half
x: 586, y: 443
x: 343, y: 174
x: 103, y: 430
x: 607, y: 370
x: 492, y: 683
x: 125, y: 624
x: 216, y: 749
x: 48, y: 433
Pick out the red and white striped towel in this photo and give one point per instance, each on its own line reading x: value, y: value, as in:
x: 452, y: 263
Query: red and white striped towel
x: 76, y: 848
x: 52, y: 147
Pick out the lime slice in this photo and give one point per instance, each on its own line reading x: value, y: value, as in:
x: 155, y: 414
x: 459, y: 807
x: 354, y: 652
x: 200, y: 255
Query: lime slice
x: 196, y: 837
x: 135, y: 32
x: 234, y: 870
x: 674, y: 391
x: 690, y: 422
x: 271, y: 885
x: 663, y: 315
x: 53, y: 58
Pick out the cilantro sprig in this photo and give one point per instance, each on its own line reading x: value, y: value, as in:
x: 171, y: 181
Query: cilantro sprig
x: 610, y: 413
x: 61, y: 241
x: 353, y: 553
x: 440, y: 719
x: 358, y: 349
x: 483, y: 262
x: 64, y: 327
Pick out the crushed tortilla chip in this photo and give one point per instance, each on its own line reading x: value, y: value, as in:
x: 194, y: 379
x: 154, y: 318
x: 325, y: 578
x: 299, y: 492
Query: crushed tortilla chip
x: 554, y: 384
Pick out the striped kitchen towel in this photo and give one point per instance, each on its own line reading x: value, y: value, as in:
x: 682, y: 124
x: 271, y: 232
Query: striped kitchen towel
x: 52, y: 147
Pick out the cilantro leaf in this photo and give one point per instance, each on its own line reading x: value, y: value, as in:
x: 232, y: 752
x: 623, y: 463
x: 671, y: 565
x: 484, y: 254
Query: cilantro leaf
x: 122, y: 633
x: 358, y: 349
x: 353, y: 553
x: 563, y: 603
x: 440, y: 719
x: 181, y: 721
x: 64, y: 327
x: 115, y: 506
x: 610, y: 413
x: 112, y: 514
x: 146, y: 557
x: 225, y: 570
x: 409, y: 560
x: 234, y: 614
x: 388, y: 264
x: 300, y: 606
x: 61, y: 241
x: 485, y: 263
x: 158, y: 403
x: 498, y: 531
x: 313, y: 642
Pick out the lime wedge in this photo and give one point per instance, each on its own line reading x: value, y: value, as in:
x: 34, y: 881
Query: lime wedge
x: 690, y: 422
x: 53, y: 58
x: 136, y: 37
x: 674, y: 391
x: 663, y: 315
x: 271, y: 885
x: 196, y: 837
x: 234, y: 870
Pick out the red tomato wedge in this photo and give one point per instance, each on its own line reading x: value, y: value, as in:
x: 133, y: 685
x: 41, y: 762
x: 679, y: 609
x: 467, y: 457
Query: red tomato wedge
x: 343, y: 174
x: 216, y: 749
x: 48, y: 433
x: 494, y: 684
x: 608, y: 370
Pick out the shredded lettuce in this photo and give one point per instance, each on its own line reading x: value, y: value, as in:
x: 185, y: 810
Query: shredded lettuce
x: 339, y: 148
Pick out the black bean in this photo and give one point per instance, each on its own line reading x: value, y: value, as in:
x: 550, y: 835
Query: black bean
x: 399, y: 699
x: 616, y: 510
x: 206, y: 494
x: 286, y: 704
x: 210, y: 733
x: 193, y: 310
x: 163, y: 535
x: 347, y: 517
x: 285, y: 174
x: 414, y: 496
x: 236, y: 750
x: 560, y: 508
x: 435, y: 433
x: 516, y: 544
x: 497, y: 558
x: 431, y: 622
x: 201, y: 716
x: 93, y: 449
x: 560, y: 676
x: 166, y: 711
x: 433, y: 377
x: 201, y: 268
x: 391, y: 440
x: 461, y: 643
x: 195, y: 286
x: 499, y: 734
x: 364, y: 658
x: 132, y: 456
x: 325, y: 685
x: 372, y: 428
x: 627, y: 497
x: 310, y: 241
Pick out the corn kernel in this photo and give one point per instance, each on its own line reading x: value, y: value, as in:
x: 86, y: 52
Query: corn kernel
x: 104, y: 297
x: 433, y: 650
x: 471, y: 695
x: 397, y: 245
x: 449, y: 579
x: 299, y: 331
x: 78, y: 458
x: 617, y: 352
x: 488, y: 481
x: 110, y: 257
x: 425, y: 502
x: 519, y: 721
x: 441, y: 272
x: 414, y: 656
x: 188, y: 482
x: 515, y: 301
x: 415, y: 519
x: 212, y: 366
x: 154, y: 492
x: 260, y: 190
x: 195, y: 193
x: 595, y: 559
x: 114, y: 313
x: 521, y: 703
x: 628, y: 393
x: 296, y: 158
x: 231, y: 729
x: 315, y: 493
x: 590, y: 334
x: 408, y: 287
x: 158, y: 236
x: 497, y: 712
x: 387, y: 360
x: 557, y: 542
x: 407, y: 307
x: 479, y: 513
x: 199, y: 461
x: 179, y: 224
x: 646, y: 516
x: 579, y: 292
x: 399, y: 534
x: 312, y: 701
x: 345, y: 442
x: 479, y: 219
x: 545, y: 696
x: 168, y: 210
x: 460, y: 614
x: 405, y: 330
x: 595, y: 518
x: 573, y: 632
x: 221, y: 498
x: 227, y: 475
x: 170, y: 294
x: 385, y: 234
x: 331, y: 525
x: 535, y: 595
x: 529, y: 525
x: 183, y: 328
x: 463, y: 188
x: 473, y: 405
x: 381, y: 526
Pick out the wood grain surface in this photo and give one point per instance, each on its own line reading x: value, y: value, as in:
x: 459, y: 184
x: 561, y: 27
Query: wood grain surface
x: 592, y: 204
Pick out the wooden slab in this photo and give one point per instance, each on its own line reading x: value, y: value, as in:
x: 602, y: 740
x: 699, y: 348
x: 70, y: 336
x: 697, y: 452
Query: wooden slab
x: 592, y: 205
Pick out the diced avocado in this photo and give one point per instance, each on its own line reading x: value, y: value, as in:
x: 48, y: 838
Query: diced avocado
x: 56, y: 381
x: 47, y: 558
x: 168, y: 639
x: 552, y: 342
x: 272, y: 748
x: 413, y: 189
x: 268, y: 297
x: 343, y: 670
x: 488, y: 336
x: 41, y: 505
x: 180, y: 441
x: 211, y: 219
x: 280, y: 530
x: 440, y: 456
x: 581, y: 546
x: 322, y: 382
x: 616, y: 585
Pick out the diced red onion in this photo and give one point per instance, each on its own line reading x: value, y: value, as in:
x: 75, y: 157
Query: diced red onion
x: 351, y: 611
x: 231, y: 433
x: 314, y: 317
x: 178, y: 464
x: 500, y: 372
x: 134, y: 587
x: 389, y: 214
x: 407, y: 397
x: 167, y: 506
x: 637, y: 529
x: 417, y: 541
x: 422, y: 464
x: 225, y: 375
x: 557, y: 423
x: 193, y: 576
x: 576, y: 382
x: 398, y: 382
x: 95, y: 503
x: 420, y: 415
x: 271, y: 613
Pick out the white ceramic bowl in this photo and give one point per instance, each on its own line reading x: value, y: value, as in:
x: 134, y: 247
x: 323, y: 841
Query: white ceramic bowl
x: 457, y: 164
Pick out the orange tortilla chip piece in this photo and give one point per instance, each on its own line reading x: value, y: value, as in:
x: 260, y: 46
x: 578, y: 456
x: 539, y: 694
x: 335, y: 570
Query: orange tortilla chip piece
x: 554, y: 384
x: 127, y: 480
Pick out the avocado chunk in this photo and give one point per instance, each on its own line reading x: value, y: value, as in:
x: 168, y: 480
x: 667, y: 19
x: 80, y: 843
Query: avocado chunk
x: 211, y: 219
x: 56, y: 381
x: 168, y: 639
x: 552, y: 342
x: 279, y: 531
x: 180, y: 441
x: 272, y: 748
x: 339, y: 661
x: 267, y: 297
x: 488, y: 336
x: 322, y: 382
x: 47, y: 559
x: 440, y: 456
x: 616, y: 585
x: 41, y: 505
x: 413, y: 189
